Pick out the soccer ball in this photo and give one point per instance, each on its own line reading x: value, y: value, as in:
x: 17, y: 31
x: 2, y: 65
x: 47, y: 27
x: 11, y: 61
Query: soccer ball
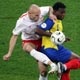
x: 58, y: 37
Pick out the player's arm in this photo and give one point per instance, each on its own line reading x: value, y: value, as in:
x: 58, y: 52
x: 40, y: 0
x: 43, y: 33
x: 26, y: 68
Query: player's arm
x: 51, y: 15
x: 41, y: 32
x: 48, y: 10
x: 16, y: 31
x: 46, y: 25
x: 11, y: 47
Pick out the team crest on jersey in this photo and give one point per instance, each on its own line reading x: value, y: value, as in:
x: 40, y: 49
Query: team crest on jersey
x: 44, y: 25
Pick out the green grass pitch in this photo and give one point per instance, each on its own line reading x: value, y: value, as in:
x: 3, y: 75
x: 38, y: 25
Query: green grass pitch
x: 21, y: 65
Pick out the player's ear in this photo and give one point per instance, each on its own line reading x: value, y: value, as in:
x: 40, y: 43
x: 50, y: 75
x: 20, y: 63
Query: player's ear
x: 29, y: 12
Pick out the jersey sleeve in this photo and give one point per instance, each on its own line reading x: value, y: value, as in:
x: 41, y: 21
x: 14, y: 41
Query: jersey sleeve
x: 19, y: 28
x: 44, y: 10
x: 47, y: 24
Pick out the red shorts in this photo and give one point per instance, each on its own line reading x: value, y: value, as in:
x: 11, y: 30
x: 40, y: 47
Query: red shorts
x: 37, y: 43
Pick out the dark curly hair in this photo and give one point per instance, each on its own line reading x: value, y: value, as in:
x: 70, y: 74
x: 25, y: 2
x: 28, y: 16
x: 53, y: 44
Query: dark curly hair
x: 58, y: 5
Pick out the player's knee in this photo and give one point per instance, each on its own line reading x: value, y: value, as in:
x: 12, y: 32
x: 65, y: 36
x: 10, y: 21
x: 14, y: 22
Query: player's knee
x: 27, y: 47
x: 44, y: 73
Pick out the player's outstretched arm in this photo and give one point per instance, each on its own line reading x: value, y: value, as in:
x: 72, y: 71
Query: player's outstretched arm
x: 11, y: 47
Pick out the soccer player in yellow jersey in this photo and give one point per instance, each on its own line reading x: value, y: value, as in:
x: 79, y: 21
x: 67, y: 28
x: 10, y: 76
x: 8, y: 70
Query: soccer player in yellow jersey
x: 56, y: 53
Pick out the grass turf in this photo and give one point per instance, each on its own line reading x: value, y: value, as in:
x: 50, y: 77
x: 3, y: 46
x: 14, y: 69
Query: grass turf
x: 22, y: 66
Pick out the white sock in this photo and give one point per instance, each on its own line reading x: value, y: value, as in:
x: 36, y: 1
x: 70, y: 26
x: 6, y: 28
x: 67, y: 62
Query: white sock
x: 39, y: 56
x: 43, y: 78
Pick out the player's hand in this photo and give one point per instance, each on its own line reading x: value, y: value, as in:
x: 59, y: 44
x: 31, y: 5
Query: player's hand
x: 6, y: 57
x: 53, y: 17
x: 67, y: 39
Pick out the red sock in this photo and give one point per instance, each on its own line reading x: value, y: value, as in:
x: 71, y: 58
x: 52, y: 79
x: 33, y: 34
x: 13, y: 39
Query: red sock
x: 73, y: 64
x: 66, y: 75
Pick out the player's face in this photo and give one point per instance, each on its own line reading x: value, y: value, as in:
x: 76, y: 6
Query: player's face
x: 35, y: 16
x: 60, y: 13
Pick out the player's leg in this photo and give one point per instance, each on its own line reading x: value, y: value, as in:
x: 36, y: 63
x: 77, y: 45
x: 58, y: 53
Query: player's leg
x: 72, y: 64
x: 43, y: 71
x: 74, y: 56
x: 70, y: 58
x: 66, y: 75
x: 63, y: 69
x: 31, y: 48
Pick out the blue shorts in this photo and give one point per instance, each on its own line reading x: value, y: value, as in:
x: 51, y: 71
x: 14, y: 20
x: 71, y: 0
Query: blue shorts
x: 60, y: 55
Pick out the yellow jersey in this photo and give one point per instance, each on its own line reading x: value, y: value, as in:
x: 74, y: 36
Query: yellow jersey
x: 46, y: 42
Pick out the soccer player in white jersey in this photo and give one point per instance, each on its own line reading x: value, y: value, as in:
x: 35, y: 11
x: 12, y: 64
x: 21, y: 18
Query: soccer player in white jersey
x: 27, y: 25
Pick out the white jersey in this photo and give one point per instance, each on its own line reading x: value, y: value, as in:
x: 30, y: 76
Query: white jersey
x: 27, y: 27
